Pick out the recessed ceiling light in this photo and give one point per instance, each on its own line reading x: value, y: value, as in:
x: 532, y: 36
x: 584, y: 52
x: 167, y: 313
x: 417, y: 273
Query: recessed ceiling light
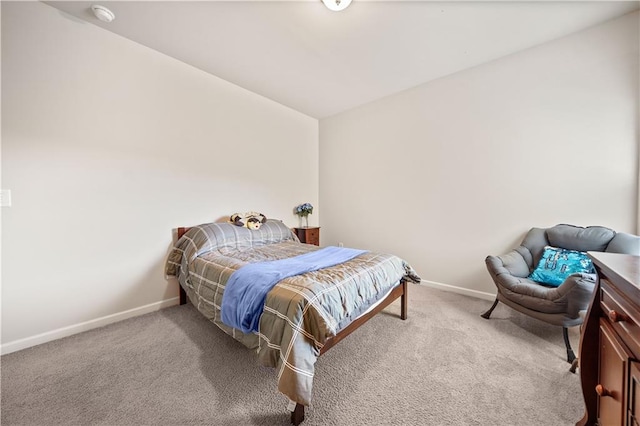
x: 102, y: 13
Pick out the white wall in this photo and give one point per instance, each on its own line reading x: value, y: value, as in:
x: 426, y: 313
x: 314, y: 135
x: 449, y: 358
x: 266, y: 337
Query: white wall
x: 456, y: 169
x: 107, y: 146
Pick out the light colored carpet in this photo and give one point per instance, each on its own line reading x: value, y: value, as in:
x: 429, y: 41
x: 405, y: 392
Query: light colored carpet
x: 443, y: 366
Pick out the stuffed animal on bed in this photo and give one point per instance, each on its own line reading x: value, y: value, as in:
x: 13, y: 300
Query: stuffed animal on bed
x: 250, y: 220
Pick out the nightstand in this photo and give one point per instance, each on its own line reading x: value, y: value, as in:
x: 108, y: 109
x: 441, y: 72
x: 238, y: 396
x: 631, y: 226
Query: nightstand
x: 308, y: 234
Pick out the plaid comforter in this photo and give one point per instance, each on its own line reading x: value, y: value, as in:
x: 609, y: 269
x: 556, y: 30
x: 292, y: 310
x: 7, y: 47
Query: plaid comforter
x: 300, y: 312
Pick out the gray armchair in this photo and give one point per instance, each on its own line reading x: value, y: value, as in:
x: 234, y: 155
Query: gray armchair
x: 554, y: 305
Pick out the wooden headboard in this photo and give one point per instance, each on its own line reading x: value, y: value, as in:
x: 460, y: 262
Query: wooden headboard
x: 182, y: 231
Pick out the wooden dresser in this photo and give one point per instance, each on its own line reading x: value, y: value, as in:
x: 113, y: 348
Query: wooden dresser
x: 610, y: 343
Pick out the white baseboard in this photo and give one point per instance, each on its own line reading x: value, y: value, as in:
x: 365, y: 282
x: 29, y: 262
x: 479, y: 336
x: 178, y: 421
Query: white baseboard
x: 49, y: 336
x: 28, y: 342
x: 460, y: 290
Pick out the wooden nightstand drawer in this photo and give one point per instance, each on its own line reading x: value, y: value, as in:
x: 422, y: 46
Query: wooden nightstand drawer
x: 313, y: 236
x: 308, y: 235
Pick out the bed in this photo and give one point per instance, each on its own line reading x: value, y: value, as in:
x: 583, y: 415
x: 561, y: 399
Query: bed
x: 303, y: 315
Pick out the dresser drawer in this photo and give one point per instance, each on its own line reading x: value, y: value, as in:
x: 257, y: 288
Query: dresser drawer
x: 624, y: 319
x: 634, y: 394
x: 611, y: 388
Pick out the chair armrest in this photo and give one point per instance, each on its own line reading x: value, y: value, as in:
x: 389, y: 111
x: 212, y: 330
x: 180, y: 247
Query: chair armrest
x: 578, y: 289
x: 512, y: 263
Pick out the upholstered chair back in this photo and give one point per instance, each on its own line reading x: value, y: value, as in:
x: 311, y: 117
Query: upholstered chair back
x: 591, y: 238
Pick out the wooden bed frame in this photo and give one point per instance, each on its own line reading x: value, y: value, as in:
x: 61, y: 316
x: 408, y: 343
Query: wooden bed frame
x: 399, y: 291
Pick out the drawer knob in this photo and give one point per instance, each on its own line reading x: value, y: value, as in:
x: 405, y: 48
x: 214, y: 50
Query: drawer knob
x: 615, y: 316
x: 602, y: 391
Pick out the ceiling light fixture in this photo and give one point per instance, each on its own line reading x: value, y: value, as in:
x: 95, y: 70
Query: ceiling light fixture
x: 336, y: 5
x: 102, y: 13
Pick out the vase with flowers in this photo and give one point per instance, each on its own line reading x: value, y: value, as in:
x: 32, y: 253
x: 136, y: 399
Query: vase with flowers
x: 303, y: 211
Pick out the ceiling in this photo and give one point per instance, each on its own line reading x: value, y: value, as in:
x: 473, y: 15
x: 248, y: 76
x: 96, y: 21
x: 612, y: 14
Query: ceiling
x: 318, y: 62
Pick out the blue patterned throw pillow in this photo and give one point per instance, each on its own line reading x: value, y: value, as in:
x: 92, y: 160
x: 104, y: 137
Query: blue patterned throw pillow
x: 557, y: 264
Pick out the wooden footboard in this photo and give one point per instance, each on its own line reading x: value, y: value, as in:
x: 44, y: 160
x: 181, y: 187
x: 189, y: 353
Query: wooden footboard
x: 401, y: 290
x: 398, y: 291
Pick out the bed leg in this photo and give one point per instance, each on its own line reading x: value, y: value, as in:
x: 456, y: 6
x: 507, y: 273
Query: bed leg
x: 183, y: 295
x: 297, y: 415
x: 403, y: 300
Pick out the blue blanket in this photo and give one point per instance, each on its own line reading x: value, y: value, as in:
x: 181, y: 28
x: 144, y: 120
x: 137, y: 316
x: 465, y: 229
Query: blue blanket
x: 247, y: 288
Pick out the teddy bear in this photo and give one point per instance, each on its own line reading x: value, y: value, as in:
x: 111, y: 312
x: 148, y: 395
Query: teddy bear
x: 250, y: 220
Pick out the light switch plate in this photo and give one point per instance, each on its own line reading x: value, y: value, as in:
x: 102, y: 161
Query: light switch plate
x: 5, y: 198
